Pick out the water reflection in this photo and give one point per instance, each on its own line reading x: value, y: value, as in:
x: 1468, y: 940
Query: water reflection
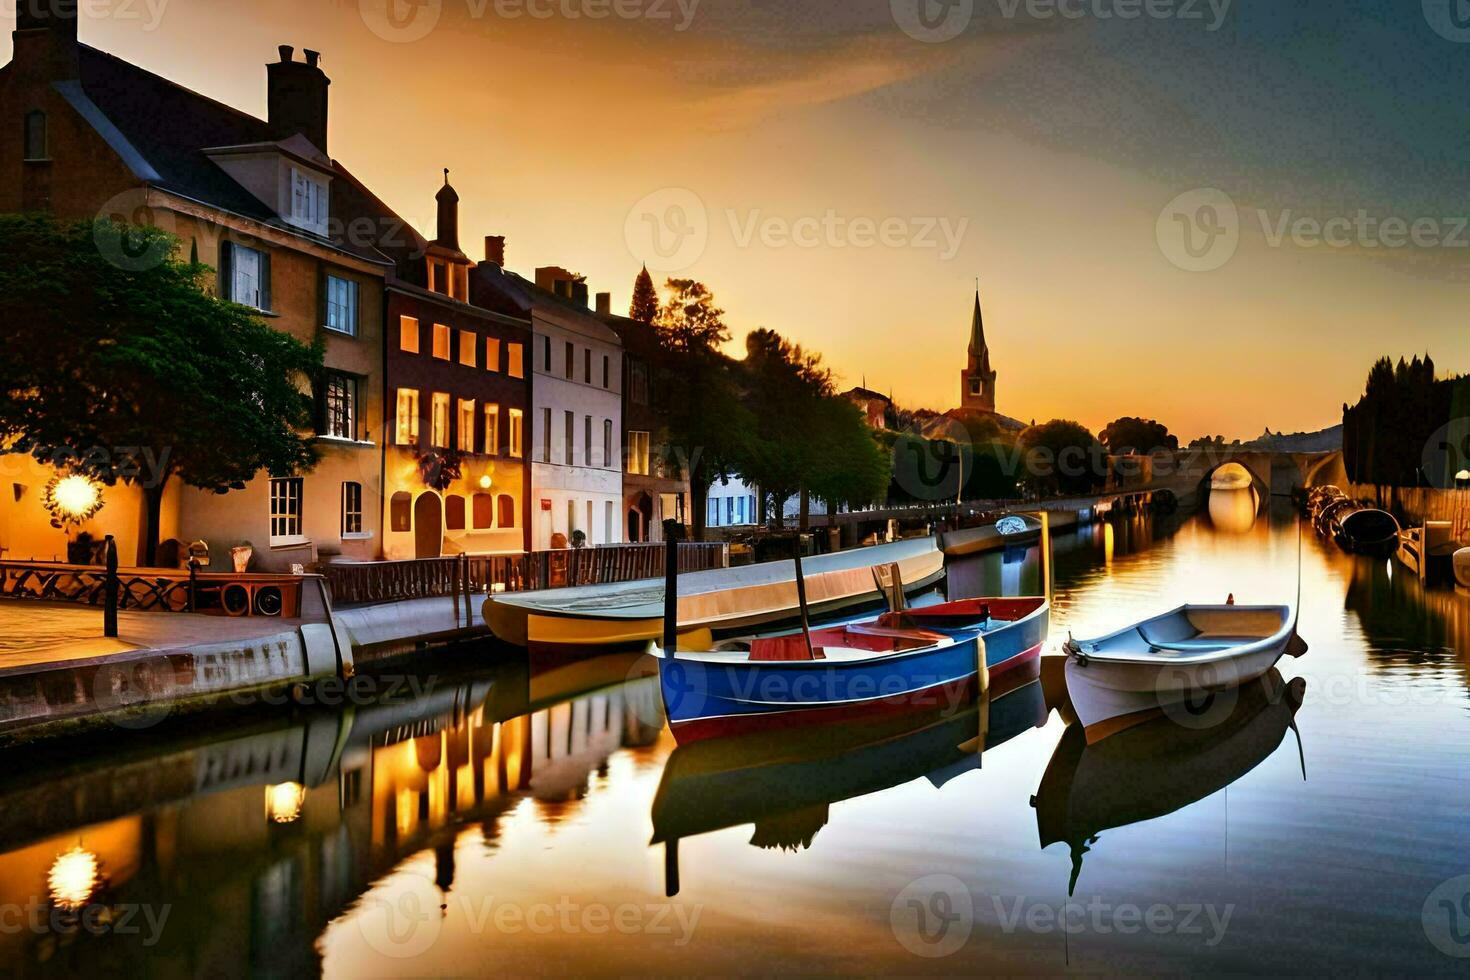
x: 1234, y: 511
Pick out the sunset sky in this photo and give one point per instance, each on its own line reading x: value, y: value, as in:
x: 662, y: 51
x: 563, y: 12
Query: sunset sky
x: 1048, y: 147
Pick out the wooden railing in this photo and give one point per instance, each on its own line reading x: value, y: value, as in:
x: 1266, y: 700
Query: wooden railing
x: 372, y: 583
x: 149, y: 589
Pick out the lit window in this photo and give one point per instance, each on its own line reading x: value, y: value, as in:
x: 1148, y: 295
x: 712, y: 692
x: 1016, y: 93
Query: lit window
x: 517, y: 356
x: 454, y: 513
x: 35, y: 135
x: 408, y: 417
x: 507, y: 507
x: 286, y: 510
x: 351, y: 508
x: 492, y: 430
x: 340, y: 403
x: 638, y: 452
x: 492, y: 354
x: 466, y: 442
x: 400, y: 512
x: 342, y: 305
x: 469, y: 347
x: 607, y: 444
x: 482, y: 507
x: 517, y: 432
x: 441, y: 342
x: 439, y: 433
x: 408, y: 335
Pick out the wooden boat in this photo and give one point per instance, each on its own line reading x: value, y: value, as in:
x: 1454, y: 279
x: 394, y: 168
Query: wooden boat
x: 901, y: 662
x: 1157, y: 768
x: 1365, y: 530
x: 784, y: 782
x: 1429, y: 550
x: 1012, y: 530
x: 1462, y: 568
x: 724, y: 602
x: 1181, y: 658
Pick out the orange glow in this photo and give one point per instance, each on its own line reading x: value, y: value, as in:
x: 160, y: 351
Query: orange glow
x: 73, y: 878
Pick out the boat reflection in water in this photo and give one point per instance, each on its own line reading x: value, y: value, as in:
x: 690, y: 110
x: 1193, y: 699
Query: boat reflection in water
x: 783, y: 782
x: 1157, y: 768
x: 1234, y: 511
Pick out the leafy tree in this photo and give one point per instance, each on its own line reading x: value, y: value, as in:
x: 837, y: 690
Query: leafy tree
x: 689, y: 319
x: 1062, y: 456
x: 645, y: 299
x: 141, y: 375
x: 1142, y: 436
x: 786, y: 386
x: 849, y: 467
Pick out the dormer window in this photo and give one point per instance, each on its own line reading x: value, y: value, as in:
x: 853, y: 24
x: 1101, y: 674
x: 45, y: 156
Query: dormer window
x: 308, y: 201
x: 35, y: 136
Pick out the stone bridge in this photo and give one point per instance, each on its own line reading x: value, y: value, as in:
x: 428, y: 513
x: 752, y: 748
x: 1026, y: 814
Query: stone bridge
x: 1273, y: 472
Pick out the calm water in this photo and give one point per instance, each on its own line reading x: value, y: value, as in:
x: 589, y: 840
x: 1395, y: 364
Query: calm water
x: 501, y: 820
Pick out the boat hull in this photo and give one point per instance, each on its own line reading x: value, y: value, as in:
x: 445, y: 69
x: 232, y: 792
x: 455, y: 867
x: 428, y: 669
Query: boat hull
x: 710, y: 700
x: 1461, y: 562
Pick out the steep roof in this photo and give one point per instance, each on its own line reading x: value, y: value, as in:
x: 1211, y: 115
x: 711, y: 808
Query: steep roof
x: 978, y: 346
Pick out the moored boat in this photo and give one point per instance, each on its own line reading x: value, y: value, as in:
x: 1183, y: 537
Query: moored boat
x: 1429, y: 550
x: 1183, y: 658
x: 724, y: 602
x: 1012, y: 530
x: 1462, y: 568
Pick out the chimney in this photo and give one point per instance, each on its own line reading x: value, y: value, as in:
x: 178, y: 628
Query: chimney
x: 45, y: 38
x: 495, y: 250
x: 297, y: 100
x: 579, y: 293
x: 604, y: 304
x: 448, y: 215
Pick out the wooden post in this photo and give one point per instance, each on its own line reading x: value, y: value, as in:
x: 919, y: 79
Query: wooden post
x: 469, y: 608
x: 193, y: 585
x: 672, y: 532
x: 671, y: 868
x: 1046, y: 579
x: 806, y: 625
x: 109, y: 590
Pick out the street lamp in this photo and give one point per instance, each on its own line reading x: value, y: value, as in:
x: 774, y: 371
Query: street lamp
x: 72, y: 499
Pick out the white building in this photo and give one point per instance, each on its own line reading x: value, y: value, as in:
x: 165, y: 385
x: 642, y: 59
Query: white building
x: 732, y: 503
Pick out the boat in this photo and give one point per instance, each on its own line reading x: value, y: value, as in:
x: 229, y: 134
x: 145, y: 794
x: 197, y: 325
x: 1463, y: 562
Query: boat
x: 1155, y: 769
x: 1012, y: 530
x: 722, y: 602
x: 1357, y: 528
x: 1462, y: 568
x: 1180, y: 660
x: 1429, y: 550
x: 900, y: 662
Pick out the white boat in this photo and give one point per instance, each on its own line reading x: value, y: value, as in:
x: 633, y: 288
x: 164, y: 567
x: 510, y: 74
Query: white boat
x: 1181, y: 660
x: 724, y: 602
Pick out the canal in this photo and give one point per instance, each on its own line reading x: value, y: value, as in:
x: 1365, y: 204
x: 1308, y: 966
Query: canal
x: 475, y: 820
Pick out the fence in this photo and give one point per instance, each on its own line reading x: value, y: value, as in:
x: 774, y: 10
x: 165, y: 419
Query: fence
x: 372, y: 583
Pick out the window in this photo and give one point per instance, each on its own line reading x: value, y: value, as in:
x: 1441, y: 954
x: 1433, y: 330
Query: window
x: 546, y: 435
x: 517, y: 432
x: 408, y: 417
x: 492, y: 430
x: 714, y: 512
x: 483, y: 510
x: 492, y: 354
x: 517, y: 355
x: 466, y: 441
x: 441, y: 342
x: 308, y: 200
x: 587, y: 367
x: 400, y: 513
x: 469, y: 348
x: 351, y: 509
x: 606, y: 371
x: 454, y: 513
x: 729, y: 510
x: 247, y: 273
x: 638, y: 463
x: 35, y: 135
x: 408, y: 335
x: 439, y: 431
x: 507, y: 506
x: 340, y: 404
x: 571, y: 439
x: 638, y: 387
x: 286, y: 511
x: 587, y: 442
x: 607, y: 444
x: 571, y: 364
x: 546, y: 350
x: 342, y: 305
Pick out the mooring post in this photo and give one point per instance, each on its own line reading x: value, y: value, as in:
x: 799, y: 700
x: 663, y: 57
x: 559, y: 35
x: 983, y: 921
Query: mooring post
x: 193, y: 585
x: 673, y: 531
x: 109, y: 592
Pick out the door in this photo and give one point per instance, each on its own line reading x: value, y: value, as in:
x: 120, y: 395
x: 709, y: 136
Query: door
x: 428, y: 526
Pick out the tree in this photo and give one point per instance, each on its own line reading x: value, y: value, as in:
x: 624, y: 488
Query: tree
x: 141, y: 375
x: 645, y: 299
x: 848, y: 467
x: 786, y: 387
x: 1143, y: 436
x: 689, y: 319
x: 1062, y: 456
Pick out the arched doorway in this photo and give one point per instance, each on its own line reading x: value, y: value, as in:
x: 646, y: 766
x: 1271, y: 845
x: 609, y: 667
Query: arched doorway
x: 428, y: 526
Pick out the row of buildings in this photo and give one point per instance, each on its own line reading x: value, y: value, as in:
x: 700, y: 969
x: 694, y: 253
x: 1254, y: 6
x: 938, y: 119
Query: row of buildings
x: 464, y: 407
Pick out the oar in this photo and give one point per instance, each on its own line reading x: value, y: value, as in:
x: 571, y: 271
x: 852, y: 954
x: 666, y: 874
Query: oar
x: 806, y: 626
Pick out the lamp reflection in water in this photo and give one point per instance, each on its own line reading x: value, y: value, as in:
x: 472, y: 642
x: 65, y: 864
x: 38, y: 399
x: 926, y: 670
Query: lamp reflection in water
x: 283, y: 802
x: 73, y: 878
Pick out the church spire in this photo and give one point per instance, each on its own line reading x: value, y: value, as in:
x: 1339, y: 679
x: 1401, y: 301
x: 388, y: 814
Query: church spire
x: 979, y: 349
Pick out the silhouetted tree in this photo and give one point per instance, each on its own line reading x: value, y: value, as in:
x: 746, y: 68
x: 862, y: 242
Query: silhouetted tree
x: 1063, y: 456
x: 645, y: 299
x: 1143, y: 436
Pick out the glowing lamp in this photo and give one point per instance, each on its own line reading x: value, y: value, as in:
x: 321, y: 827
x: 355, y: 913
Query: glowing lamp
x: 485, y: 482
x: 1462, y: 478
x: 283, y: 802
x: 72, y: 499
x: 73, y: 878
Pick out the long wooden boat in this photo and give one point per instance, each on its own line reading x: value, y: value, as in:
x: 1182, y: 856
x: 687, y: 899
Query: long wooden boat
x: 725, y: 602
x: 1013, y: 530
x: 768, y: 778
x: 901, y: 662
x: 1155, y: 769
x: 1182, y: 657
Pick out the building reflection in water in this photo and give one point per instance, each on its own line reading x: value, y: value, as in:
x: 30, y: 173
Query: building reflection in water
x: 1234, y: 511
x: 347, y: 799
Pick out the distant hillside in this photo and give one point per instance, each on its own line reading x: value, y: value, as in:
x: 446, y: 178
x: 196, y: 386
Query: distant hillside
x: 1325, y: 441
